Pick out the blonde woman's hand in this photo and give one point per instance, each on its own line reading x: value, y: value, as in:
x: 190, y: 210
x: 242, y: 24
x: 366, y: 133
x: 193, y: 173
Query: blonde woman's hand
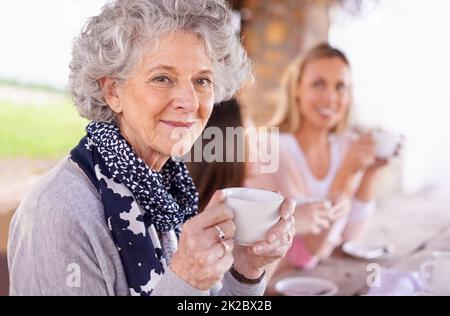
x: 202, y: 257
x: 340, y: 209
x: 312, y: 218
x: 360, y: 154
x: 382, y: 162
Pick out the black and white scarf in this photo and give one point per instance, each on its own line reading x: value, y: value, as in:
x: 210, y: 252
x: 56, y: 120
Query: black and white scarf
x: 138, y: 202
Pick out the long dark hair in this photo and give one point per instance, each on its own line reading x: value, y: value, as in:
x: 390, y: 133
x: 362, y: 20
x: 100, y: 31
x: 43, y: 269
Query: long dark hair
x: 211, y: 176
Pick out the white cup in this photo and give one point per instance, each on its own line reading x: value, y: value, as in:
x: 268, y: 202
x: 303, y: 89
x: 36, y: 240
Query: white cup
x: 435, y: 273
x: 385, y: 143
x: 255, y: 212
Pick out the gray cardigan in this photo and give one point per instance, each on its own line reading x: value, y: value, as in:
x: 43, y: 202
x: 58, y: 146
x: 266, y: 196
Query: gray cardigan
x: 60, y: 244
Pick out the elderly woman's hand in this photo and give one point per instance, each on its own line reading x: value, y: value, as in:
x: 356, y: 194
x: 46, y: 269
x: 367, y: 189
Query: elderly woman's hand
x: 251, y: 261
x: 203, y: 257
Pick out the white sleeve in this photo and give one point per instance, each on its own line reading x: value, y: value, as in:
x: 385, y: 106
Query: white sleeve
x: 361, y: 210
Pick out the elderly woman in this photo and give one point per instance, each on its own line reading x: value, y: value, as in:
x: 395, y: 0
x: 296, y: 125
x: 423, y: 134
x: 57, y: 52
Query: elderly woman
x: 119, y: 215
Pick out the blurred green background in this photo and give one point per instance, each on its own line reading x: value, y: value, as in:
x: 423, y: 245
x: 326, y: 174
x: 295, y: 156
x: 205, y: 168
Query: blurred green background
x: 45, y: 130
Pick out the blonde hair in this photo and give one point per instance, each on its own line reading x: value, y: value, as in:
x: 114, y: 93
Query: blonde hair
x: 287, y: 115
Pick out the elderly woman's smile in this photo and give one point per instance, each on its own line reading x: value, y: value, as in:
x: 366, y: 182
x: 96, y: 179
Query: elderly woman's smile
x: 175, y: 124
x: 166, y: 102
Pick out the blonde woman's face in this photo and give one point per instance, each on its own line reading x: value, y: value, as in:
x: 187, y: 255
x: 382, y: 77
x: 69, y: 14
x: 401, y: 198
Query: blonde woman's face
x: 324, y: 92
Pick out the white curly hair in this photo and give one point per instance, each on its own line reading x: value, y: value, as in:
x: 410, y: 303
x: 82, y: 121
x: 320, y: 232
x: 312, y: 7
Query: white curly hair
x: 111, y: 45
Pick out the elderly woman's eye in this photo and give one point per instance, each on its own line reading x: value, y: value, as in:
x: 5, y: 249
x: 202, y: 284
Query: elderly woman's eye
x: 161, y: 80
x: 204, y: 82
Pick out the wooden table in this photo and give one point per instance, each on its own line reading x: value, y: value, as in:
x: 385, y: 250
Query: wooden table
x: 4, y: 282
x: 415, y: 225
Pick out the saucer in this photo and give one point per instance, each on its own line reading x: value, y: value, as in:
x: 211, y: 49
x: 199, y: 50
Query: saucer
x: 367, y: 252
x: 306, y: 286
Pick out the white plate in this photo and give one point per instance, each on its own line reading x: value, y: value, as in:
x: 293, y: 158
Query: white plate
x: 368, y: 252
x: 306, y: 286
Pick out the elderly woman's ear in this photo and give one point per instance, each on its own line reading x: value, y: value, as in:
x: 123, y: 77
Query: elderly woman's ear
x: 111, y: 93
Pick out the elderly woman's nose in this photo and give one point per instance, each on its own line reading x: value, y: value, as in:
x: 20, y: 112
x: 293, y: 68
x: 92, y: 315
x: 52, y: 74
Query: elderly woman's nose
x: 186, y: 98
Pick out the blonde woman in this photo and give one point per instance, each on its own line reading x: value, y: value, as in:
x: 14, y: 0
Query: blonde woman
x: 321, y: 157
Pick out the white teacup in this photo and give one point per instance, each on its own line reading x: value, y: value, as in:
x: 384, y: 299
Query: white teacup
x: 255, y: 212
x: 436, y: 273
x: 386, y: 143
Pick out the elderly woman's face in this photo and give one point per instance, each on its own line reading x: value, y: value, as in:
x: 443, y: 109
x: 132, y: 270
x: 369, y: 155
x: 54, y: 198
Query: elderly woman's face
x: 167, y: 101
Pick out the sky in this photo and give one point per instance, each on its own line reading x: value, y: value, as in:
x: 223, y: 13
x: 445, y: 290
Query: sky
x: 36, y: 38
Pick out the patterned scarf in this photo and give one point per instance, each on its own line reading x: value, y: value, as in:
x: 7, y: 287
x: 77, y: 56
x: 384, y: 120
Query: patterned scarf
x: 137, y: 201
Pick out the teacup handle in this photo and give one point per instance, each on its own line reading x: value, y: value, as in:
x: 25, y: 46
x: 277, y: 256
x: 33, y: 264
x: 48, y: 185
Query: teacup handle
x: 425, y: 273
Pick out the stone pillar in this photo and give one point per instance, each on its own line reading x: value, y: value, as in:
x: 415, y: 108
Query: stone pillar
x: 274, y: 33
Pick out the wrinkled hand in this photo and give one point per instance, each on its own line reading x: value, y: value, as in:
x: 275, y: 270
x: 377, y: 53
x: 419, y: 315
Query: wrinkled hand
x: 201, y: 259
x: 251, y: 261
